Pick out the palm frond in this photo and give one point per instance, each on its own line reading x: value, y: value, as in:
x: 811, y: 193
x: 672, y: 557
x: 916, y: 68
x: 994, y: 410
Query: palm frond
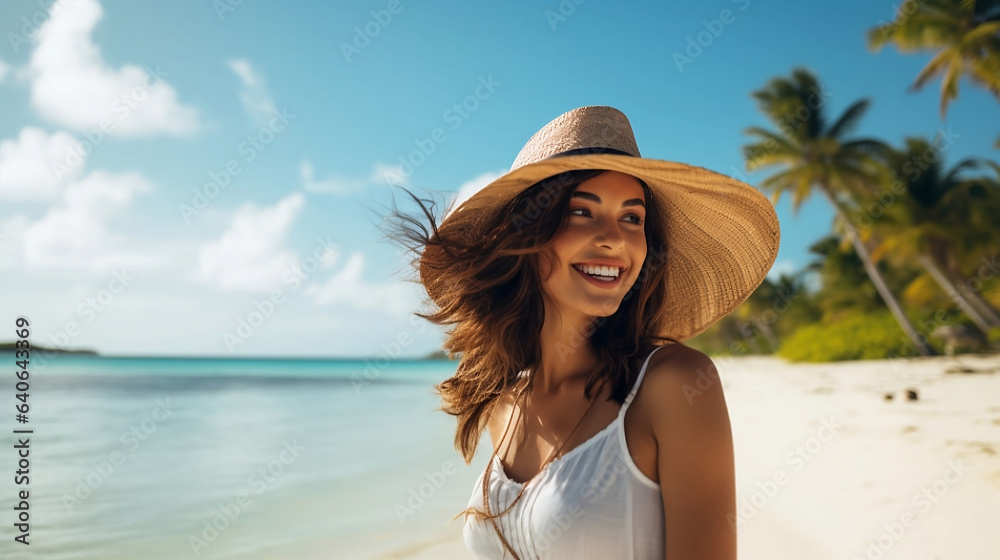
x: 966, y: 164
x: 935, y: 66
x: 869, y: 147
x: 848, y: 121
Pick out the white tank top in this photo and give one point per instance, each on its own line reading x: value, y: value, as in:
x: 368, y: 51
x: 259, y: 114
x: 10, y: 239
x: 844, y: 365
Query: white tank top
x: 592, y: 502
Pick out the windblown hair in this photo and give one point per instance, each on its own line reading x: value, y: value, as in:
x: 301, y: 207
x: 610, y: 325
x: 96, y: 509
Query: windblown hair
x: 494, y: 299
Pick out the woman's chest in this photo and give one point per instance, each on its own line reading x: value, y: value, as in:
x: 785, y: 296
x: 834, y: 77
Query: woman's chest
x: 591, y: 500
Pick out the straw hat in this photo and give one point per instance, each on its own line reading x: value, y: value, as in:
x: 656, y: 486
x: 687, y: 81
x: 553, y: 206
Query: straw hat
x: 722, y: 235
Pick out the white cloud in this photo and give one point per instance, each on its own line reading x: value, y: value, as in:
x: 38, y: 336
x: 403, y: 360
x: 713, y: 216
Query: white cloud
x: 348, y: 287
x: 4, y: 68
x: 471, y: 187
x: 254, y: 95
x: 74, y: 234
x: 12, y: 241
x: 390, y: 175
x: 330, y: 185
x: 71, y: 84
x: 382, y: 174
x: 27, y: 170
x: 251, y: 254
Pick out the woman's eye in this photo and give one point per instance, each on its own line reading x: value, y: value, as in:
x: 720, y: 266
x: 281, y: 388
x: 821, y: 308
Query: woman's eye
x: 633, y: 218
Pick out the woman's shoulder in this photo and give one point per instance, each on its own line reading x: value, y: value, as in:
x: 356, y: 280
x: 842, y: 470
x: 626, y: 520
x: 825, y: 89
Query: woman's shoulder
x: 682, y: 405
x: 676, y: 375
x: 678, y: 360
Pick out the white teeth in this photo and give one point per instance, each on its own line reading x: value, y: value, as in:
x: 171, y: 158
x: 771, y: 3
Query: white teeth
x: 610, y: 271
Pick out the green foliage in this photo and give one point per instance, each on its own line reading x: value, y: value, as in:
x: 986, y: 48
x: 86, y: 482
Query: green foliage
x: 861, y: 336
x: 961, y: 35
x: 919, y: 220
x: 994, y: 335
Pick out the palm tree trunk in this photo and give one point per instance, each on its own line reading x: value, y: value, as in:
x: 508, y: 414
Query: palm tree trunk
x: 932, y: 268
x: 874, y: 275
x: 985, y: 309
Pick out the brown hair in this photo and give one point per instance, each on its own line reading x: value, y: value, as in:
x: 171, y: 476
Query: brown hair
x: 494, y: 300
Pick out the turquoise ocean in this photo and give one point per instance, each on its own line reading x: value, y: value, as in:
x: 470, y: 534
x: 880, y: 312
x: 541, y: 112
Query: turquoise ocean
x: 150, y: 458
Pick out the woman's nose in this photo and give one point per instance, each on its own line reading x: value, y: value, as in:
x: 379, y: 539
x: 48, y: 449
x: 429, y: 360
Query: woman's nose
x: 609, y: 234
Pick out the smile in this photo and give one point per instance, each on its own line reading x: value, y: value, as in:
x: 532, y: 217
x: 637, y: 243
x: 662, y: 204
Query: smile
x: 600, y: 281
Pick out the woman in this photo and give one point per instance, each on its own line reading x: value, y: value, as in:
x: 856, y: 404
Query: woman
x: 564, y: 278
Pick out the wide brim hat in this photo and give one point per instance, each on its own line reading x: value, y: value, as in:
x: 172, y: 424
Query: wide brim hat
x: 722, y: 235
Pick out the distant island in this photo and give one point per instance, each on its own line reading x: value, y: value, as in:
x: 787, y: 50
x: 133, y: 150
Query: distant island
x: 11, y: 347
x: 437, y: 355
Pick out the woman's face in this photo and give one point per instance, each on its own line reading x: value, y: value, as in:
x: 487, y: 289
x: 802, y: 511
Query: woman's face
x: 603, y: 227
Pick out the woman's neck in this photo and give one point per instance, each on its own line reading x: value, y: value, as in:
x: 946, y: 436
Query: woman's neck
x: 567, y: 358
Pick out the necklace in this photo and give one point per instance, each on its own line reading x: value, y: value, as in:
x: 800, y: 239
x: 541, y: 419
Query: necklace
x: 524, y: 485
x: 557, y: 451
x: 554, y: 454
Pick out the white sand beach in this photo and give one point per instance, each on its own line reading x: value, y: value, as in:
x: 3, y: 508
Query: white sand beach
x: 828, y: 468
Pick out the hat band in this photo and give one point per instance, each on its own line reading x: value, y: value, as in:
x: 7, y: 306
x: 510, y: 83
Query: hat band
x: 590, y: 150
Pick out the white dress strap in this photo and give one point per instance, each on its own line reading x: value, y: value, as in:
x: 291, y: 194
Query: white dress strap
x: 638, y: 380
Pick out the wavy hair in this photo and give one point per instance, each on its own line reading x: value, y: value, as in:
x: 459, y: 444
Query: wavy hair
x: 494, y: 302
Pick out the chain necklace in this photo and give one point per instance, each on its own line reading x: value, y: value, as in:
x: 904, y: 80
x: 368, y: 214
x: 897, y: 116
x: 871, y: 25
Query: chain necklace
x: 524, y: 484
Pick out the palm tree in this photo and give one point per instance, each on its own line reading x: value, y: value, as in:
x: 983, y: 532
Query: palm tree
x: 980, y: 208
x: 846, y: 288
x: 929, y: 219
x: 964, y: 33
x: 814, y: 156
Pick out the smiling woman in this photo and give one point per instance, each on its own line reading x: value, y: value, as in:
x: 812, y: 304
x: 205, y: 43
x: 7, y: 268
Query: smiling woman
x: 608, y: 208
x: 557, y: 279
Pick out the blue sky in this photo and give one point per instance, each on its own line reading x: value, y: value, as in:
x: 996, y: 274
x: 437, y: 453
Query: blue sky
x: 116, y: 115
